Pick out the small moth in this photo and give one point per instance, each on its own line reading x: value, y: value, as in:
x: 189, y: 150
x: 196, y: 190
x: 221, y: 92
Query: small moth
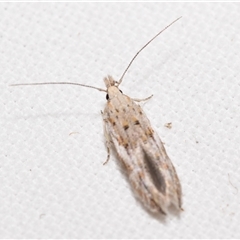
x: 151, y: 173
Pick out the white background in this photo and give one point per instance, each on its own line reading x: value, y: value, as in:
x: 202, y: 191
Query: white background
x: 52, y: 181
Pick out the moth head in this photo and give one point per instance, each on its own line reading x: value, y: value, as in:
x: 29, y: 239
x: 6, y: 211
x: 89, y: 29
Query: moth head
x: 112, y: 87
x: 109, y: 81
x: 113, y: 92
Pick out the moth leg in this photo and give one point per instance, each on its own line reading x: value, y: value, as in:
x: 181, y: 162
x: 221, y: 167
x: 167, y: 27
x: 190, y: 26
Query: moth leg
x: 140, y: 100
x: 108, y: 151
x: 107, y: 140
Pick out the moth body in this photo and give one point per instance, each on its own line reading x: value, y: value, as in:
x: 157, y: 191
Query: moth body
x: 150, y: 171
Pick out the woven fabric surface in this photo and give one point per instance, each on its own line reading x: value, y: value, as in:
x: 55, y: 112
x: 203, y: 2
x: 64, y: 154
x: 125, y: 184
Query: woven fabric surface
x: 53, y: 182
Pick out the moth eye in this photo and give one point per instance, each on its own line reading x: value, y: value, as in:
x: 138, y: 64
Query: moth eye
x: 107, y: 97
x: 120, y: 91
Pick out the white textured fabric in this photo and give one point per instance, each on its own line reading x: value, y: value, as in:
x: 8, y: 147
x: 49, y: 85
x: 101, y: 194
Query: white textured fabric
x: 53, y: 183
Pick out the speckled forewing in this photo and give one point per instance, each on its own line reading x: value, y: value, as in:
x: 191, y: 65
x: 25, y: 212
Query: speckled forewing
x: 150, y: 170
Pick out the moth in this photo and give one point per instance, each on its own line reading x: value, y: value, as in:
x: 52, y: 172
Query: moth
x: 151, y: 173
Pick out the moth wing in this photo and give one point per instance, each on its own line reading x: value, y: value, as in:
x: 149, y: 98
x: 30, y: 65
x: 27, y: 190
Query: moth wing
x: 150, y: 172
x: 162, y: 172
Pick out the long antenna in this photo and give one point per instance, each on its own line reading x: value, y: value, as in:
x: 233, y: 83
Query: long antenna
x: 119, y: 82
x: 100, y: 89
x: 69, y: 83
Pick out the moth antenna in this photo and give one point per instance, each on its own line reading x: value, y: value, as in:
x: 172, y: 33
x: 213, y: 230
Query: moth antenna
x: 100, y: 89
x: 69, y: 83
x: 121, y: 79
